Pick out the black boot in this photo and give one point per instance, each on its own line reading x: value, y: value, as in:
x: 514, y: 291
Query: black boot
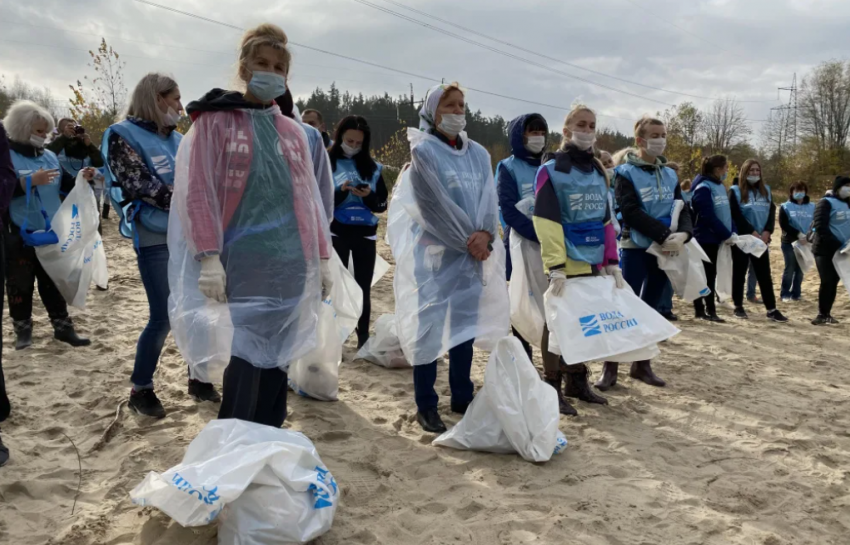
x: 23, y: 331
x: 63, y: 330
x: 430, y: 421
x: 361, y: 339
x: 203, y: 391
x: 105, y: 212
x: 555, y: 382
x: 642, y: 371
x: 577, y: 385
x: 609, y: 376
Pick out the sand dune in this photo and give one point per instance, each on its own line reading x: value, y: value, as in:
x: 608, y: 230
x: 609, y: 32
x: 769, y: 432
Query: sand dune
x: 748, y: 445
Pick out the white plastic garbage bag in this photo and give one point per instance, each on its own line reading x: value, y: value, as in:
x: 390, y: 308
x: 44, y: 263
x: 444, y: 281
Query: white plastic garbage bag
x: 381, y: 268
x: 804, y: 255
x: 685, y: 270
x: 384, y: 348
x: 71, y: 263
x: 515, y: 411
x: 261, y: 477
x: 443, y: 295
x: 528, y: 283
x: 841, y: 261
x: 747, y: 244
x: 751, y: 245
x: 593, y: 319
x: 100, y: 276
x: 316, y: 374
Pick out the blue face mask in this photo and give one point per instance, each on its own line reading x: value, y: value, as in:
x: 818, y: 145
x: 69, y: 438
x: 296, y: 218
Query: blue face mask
x: 723, y: 177
x: 799, y: 196
x: 267, y: 86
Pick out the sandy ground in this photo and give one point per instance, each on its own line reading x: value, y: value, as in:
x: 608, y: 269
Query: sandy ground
x: 748, y: 445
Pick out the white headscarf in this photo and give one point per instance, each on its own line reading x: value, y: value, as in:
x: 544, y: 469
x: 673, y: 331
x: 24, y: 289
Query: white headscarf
x: 428, y: 112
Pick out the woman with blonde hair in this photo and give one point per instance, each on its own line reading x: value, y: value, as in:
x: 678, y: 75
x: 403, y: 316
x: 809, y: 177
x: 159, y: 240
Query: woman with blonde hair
x: 35, y: 201
x: 574, y: 241
x: 753, y: 212
x: 140, y: 154
x: 249, y: 233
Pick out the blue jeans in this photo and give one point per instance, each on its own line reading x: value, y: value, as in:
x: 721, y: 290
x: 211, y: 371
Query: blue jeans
x: 641, y: 271
x: 153, y: 268
x: 792, y: 276
x: 460, y: 367
x: 666, y: 305
x: 751, y: 283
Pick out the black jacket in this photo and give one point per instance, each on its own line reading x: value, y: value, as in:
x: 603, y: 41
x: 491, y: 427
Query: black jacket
x: 789, y: 234
x: 75, y: 149
x: 744, y: 226
x: 635, y: 217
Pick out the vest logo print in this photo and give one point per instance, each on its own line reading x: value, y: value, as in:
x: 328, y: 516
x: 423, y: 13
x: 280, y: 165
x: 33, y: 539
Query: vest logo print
x: 576, y: 201
x: 647, y: 194
x: 161, y: 164
x: 605, y: 322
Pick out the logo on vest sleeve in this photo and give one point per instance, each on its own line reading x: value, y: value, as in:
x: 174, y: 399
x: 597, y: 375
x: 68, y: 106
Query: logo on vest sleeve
x: 605, y: 322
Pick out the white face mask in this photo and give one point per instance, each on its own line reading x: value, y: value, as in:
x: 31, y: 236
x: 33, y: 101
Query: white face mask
x: 844, y: 192
x: 452, y: 124
x: 170, y: 118
x: 656, y: 146
x: 535, y: 144
x: 753, y: 180
x: 349, y: 151
x: 611, y: 173
x: 37, y: 141
x: 583, y: 140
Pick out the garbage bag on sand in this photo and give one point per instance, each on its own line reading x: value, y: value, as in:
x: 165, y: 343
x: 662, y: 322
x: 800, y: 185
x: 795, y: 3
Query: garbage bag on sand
x: 593, y: 320
x: 515, y: 411
x: 268, y: 484
x: 78, y: 257
x: 383, y: 348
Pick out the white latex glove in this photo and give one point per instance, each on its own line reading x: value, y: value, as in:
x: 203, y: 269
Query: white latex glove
x: 801, y: 238
x: 675, y: 243
x: 731, y: 241
x: 617, y: 273
x: 213, y: 279
x: 557, y: 283
x: 434, y: 257
x: 327, y: 279
x: 845, y: 249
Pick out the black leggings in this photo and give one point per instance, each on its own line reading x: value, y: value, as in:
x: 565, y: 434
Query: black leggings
x: 23, y: 269
x: 707, y: 304
x: 253, y: 394
x: 761, y: 266
x: 363, y: 251
x: 828, y: 284
x: 5, y: 406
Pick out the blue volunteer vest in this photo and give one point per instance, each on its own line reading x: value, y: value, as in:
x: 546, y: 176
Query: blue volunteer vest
x: 800, y: 216
x: 757, y: 210
x: 839, y: 219
x: 523, y: 174
x: 687, y: 196
x: 352, y: 211
x: 720, y: 198
x: 46, y: 195
x: 656, y: 193
x: 159, y: 155
x: 583, y: 200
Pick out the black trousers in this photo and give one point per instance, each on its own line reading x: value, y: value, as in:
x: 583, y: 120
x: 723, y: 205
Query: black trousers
x: 828, y: 284
x: 363, y: 252
x: 22, y: 271
x: 253, y: 394
x: 761, y: 266
x: 5, y: 406
x: 707, y: 303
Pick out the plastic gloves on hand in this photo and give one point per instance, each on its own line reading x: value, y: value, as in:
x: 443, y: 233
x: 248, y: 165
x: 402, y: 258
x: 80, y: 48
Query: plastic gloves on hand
x: 327, y: 280
x: 557, y: 283
x: 434, y: 257
x: 213, y: 279
x: 675, y: 243
x: 617, y: 273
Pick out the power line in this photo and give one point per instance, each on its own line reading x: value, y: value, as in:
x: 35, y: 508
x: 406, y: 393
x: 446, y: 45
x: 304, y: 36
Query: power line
x: 554, y: 59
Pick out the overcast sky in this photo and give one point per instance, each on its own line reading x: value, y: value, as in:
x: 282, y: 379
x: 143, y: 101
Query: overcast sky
x: 710, y: 48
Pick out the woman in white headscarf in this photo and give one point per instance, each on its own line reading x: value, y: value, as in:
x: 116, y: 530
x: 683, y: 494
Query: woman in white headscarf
x: 450, y: 278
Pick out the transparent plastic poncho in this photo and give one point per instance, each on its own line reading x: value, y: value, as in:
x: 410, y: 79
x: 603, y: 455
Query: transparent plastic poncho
x: 443, y: 295
x: 244, y: 191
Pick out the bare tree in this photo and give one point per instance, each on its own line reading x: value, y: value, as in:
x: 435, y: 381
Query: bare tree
x: 724, y: 125
x: 825, y: 105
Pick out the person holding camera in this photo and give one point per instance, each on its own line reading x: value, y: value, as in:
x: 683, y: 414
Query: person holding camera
x: 359, y: 194
x: 74, y: 148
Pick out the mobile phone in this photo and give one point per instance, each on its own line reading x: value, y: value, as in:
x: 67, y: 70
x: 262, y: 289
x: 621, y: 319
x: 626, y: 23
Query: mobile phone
x: 362, y: 186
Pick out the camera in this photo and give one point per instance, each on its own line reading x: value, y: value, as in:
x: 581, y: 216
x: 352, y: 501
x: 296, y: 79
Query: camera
x: 79, y: 130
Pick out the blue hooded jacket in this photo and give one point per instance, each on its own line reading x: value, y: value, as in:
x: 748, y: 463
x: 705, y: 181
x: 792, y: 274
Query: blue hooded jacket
x: 507, y: 186
x: 708, y: 229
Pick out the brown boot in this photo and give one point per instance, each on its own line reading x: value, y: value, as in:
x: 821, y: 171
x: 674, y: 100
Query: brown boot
x: 577, y: 386
x: 555, y: 382
x: 642, y: 371
x: 609, y: 376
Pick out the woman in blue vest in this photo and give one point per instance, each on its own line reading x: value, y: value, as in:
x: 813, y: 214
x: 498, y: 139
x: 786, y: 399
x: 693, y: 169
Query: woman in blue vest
x: 515, y: 182
x: 754, y: 214
x: 713, y: 225
x: 831, y: 233
x: 795, y: 220
x: 646, y: 192
x: 140, y: 152
x: 37, y: 195
x: 359, y: 194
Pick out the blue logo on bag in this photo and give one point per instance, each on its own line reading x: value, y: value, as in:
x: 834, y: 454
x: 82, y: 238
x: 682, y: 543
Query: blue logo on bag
x: 589, y: 326
x: 323, y: 498
x: 74, y: 211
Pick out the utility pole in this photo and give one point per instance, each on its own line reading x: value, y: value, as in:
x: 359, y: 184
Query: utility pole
x: 790, y: 107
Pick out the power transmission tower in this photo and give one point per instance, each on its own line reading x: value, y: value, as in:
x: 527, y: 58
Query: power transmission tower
x: 791, y: 117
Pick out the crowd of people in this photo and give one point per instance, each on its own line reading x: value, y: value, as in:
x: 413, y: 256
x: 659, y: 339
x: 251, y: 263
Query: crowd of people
x: 248, y: 206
